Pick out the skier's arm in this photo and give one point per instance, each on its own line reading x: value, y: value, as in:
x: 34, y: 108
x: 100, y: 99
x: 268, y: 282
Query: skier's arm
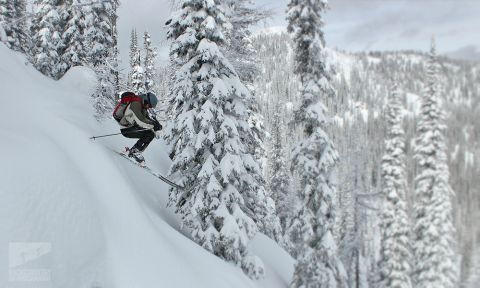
x: 156, y: 125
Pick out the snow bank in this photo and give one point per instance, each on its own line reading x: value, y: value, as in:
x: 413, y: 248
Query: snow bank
x: 75, y: 214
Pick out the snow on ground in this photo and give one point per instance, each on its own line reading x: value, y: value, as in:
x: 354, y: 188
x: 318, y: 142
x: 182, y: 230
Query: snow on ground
x: 274, y: 30
x: 342, y: 62
x: 75, y: 214
x: 474, y: 280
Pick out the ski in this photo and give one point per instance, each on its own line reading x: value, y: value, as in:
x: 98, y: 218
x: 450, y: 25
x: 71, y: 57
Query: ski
x: 184, y: 192
x: 158, y: 175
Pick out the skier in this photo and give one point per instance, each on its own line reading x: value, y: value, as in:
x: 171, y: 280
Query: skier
x: 135, y: 122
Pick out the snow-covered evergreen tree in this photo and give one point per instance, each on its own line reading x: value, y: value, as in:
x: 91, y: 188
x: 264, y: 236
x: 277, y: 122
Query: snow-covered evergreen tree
x: 136, y: 77
x: 75, y: 51
x: 3, y: 36
x: 132, y: 54
x: 150, y: 64
x: 280, y: 178
x: 114, y: 55
x: 314, y: 157
x: 238, y: 49
x: 99, y: 30
x: 395, y: 253
x: 7, y: 16
x: 137, y: 74
x: 102, y: 53
x: 242, y: 15
x: 20, y: 34
x: 13, y: 21
x: 46, y: 32
x: 209, y: 157
x: 434, y: 239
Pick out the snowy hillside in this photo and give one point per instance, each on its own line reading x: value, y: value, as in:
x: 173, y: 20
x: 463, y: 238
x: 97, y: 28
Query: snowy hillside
x: 75, y: 214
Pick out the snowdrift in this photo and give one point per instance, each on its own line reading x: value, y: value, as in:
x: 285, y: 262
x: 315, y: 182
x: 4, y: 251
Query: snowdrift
x: 75, y: 214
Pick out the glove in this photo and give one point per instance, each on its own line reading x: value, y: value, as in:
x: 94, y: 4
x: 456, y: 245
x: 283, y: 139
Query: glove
x: 157, y: 135
x: 157, y: 126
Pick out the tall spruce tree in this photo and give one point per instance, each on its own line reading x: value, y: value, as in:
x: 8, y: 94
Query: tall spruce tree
x: 280, y: 178
x: 58, y: 36
x: 209, y: 156
x: 46, y: 33
x: 99, y: 30
x: 150, y: 64
x: 137, y: 74
x: 132, y: 55
x: 238, y: 48
x: 241, y: 16
x: 7, y: 16
x: 136, y: 77
x: 13, y: 20
x: 314, y: 157
x: 395, y: 252
x: 20, y: 28
x: 115, y: 53
x: 102, y: 53
x: 3, y: 5
x: 434, y: 239
x: 75, y: 51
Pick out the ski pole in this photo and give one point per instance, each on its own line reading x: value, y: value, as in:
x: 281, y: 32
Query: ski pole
x: 103, y: 136
x: 95, y: 137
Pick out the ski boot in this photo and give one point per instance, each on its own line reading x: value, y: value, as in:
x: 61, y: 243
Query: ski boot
x: 137, y: 155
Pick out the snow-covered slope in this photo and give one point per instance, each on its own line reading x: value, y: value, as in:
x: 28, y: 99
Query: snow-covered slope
x: 76, y: 214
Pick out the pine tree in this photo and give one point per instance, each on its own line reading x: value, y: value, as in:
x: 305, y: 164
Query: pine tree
x: 434, y: 243
x: 46, y: 32
x: 58, y: 36
x: 3, y: 5
x: 150, y: 64
x: 395, y: 252
x: 238, y: 48
x: 13, y: 20
x: 102, y: 53
x: 132, y: 55
x: 114, y: 54
x: 99, y: 30
x: 242, y: 16
x: 137, y: 75
x: 209, y: 157
x: 7, y: 17
x: 75, y: 52
x: 314, y: 157
x: 280, y: 179
x: 20, y: 27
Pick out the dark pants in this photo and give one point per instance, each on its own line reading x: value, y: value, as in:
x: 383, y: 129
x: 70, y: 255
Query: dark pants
x: 136, y: 132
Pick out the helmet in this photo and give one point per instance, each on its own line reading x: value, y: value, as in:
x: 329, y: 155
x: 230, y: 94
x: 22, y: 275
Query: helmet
x: 150, y: 98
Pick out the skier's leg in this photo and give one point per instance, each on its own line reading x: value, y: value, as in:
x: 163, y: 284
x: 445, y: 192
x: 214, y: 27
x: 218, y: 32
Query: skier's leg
x: 132, y: 132
x: 135, y: 132
x: 144, y: 136
x: 147, y: 137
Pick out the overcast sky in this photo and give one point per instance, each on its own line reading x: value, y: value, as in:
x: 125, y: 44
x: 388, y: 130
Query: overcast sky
x: 353, y: 25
